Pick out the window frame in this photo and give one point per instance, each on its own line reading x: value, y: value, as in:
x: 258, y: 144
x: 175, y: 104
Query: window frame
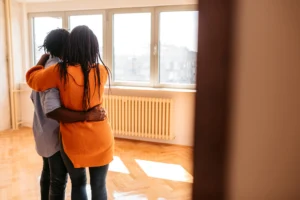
x: 107, y: 17
x: 111, y: 13
x: 31, y: 16
x: 158, y: 10
x: 68, y: 14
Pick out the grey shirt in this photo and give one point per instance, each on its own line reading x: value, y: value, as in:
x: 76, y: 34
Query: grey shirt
x: 46, y: 130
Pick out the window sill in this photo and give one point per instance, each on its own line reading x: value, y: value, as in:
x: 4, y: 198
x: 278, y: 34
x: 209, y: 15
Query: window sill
x: 24, y: 87
x: 153, y: 89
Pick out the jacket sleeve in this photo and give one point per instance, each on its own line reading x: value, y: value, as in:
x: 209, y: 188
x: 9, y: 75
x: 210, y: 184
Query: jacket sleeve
x: 40, y: 79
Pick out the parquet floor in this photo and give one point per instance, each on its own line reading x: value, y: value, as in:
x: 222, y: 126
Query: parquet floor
x: 140, y: 170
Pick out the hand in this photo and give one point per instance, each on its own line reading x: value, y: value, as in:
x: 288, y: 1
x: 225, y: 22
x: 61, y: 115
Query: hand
x: 97, y: 113
x: 43, y: 59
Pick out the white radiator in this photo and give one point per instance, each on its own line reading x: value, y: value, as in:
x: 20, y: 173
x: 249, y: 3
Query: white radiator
x: 140, y: 116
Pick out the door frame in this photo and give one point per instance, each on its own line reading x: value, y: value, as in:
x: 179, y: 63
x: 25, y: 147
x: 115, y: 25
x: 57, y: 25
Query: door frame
x: 212, y: 112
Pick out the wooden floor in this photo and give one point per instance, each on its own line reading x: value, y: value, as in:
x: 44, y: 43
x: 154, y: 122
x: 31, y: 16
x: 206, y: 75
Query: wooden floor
x: 140, y: 171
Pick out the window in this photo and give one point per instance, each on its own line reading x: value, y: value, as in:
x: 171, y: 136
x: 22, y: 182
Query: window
x: 94, y: 22
x: 178, y: 47
x: 41, y: 27
x: 152, y: 47
x: 131, y: 47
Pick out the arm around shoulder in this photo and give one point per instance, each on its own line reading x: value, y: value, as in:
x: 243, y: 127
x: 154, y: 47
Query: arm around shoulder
x: 41, y: 79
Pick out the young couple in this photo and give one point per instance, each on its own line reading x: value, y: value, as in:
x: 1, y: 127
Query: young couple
x: 68, y: 87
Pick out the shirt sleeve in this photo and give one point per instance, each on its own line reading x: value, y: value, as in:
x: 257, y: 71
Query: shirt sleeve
x: 50, y: 100
x: 40, y: 79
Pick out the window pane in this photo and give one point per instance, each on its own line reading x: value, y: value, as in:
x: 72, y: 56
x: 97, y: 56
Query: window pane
x: 131, y: 47
x: 94, y: 22
x: 178, y: 47
x: 41, y: 27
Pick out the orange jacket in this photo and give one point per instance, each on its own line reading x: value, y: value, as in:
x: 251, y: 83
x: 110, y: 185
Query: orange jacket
x: 87, y: 144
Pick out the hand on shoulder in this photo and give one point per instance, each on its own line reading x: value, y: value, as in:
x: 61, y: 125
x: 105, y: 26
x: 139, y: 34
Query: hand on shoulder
x: 43, y: 59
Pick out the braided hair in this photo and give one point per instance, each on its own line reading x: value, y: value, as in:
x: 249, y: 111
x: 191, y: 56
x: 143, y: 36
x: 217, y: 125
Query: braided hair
x: 55, y: 41
x: 83, y: 49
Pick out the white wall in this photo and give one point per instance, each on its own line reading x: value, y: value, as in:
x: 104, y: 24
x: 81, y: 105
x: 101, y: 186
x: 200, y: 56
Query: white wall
x: 69, y: 5
x: 17, y: 47
x: 27, y: 106
x: 18, y: 54
x: 4, y: 87
x: 183, y: 118
x: 265, y: 145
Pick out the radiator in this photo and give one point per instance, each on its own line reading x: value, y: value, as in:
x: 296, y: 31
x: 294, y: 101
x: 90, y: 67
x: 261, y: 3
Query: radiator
x: 140, y: 116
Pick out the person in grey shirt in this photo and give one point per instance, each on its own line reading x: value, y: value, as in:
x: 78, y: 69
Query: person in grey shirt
x: 48, y: 112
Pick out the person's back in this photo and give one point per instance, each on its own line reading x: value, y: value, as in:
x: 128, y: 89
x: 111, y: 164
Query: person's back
x: 45, y: 130
x: 54, y: 173
x: 87, y: 144
x: 93, y: 144
x: 81, y: 82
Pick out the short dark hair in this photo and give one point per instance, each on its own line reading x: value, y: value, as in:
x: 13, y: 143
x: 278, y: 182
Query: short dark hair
x: 55, y: 42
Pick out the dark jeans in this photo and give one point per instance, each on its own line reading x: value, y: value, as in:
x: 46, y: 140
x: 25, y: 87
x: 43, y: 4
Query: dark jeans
x: 54, y: 178
x: 78, y: 179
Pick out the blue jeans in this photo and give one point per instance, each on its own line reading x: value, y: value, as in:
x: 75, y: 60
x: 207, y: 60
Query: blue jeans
x: 54, y: 178
x: 78, y: 179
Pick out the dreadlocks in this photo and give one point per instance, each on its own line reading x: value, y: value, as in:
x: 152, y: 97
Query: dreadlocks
x: 55, y: 42
x: 83, y: 49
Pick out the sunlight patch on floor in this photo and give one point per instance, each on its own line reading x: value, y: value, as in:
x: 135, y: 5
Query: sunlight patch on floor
x: 129, y: 196
x: 173, y: 172
x: 117, y: 165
